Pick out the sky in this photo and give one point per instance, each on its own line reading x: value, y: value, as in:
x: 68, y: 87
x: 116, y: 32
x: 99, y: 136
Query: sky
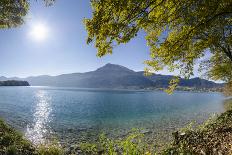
x: 64, y: 49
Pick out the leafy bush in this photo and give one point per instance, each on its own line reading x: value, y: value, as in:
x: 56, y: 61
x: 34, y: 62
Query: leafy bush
x: 214, y: 137
x: 13, y: 143
x: 133, y: 144
x: 50, y: 150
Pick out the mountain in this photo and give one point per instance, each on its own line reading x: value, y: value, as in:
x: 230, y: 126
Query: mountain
x: 113, y: 76
x: 162, y: 81
x: 108, y: 76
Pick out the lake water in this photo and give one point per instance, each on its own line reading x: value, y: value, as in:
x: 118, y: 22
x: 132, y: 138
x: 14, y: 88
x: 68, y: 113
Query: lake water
x: 74, y: 115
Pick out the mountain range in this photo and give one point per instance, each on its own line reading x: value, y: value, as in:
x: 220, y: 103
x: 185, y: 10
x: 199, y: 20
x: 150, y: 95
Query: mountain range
x: 112, y: 76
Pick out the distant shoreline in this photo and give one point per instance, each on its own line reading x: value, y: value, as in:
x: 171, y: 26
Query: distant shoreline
x: 178, y: 89
x: 14, y: 83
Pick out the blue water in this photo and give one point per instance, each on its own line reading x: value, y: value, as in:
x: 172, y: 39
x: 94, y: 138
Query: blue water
x: 74, y: 114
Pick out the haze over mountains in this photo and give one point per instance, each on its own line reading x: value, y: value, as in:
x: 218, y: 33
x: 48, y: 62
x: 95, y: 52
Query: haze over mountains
x: 112, y: 76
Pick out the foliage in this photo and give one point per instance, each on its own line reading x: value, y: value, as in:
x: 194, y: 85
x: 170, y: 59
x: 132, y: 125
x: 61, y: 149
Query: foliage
x: 227, y: 104
x: 179, y: 33
x: 214, y: 137
x: 13, y: 143
x: 50, y: 150
x: 133, y: 144
x: 172, y: 85
x: 13, y: 12
x: 228, y: 89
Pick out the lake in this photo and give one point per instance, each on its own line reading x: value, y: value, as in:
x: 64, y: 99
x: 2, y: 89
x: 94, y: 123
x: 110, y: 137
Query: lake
x: 73, y: 115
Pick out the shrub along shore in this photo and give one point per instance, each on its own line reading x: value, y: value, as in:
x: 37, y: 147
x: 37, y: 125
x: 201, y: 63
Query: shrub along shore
x: 213, y: 137
x: 13, y: 143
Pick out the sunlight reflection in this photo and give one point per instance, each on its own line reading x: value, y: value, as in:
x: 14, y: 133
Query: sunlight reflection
x: 39, y: 129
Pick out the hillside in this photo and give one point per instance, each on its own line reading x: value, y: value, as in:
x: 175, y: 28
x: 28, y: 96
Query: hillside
x: 162, y: 81
x: 113, y: 76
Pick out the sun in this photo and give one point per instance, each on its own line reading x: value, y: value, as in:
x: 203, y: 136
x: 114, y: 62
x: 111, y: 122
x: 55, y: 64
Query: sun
x: 39, y: 32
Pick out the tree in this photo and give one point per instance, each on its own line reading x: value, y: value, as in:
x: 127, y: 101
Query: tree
x: 179, y: 32
x: 12, y: 12
x: 228, y: 89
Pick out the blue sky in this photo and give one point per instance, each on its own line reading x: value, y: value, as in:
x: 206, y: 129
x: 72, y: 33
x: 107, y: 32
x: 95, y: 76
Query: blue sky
x: 65, y: 49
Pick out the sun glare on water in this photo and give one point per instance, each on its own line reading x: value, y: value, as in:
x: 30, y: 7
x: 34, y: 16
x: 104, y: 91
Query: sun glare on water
x: 39, y: 129
x: 39, y: 32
